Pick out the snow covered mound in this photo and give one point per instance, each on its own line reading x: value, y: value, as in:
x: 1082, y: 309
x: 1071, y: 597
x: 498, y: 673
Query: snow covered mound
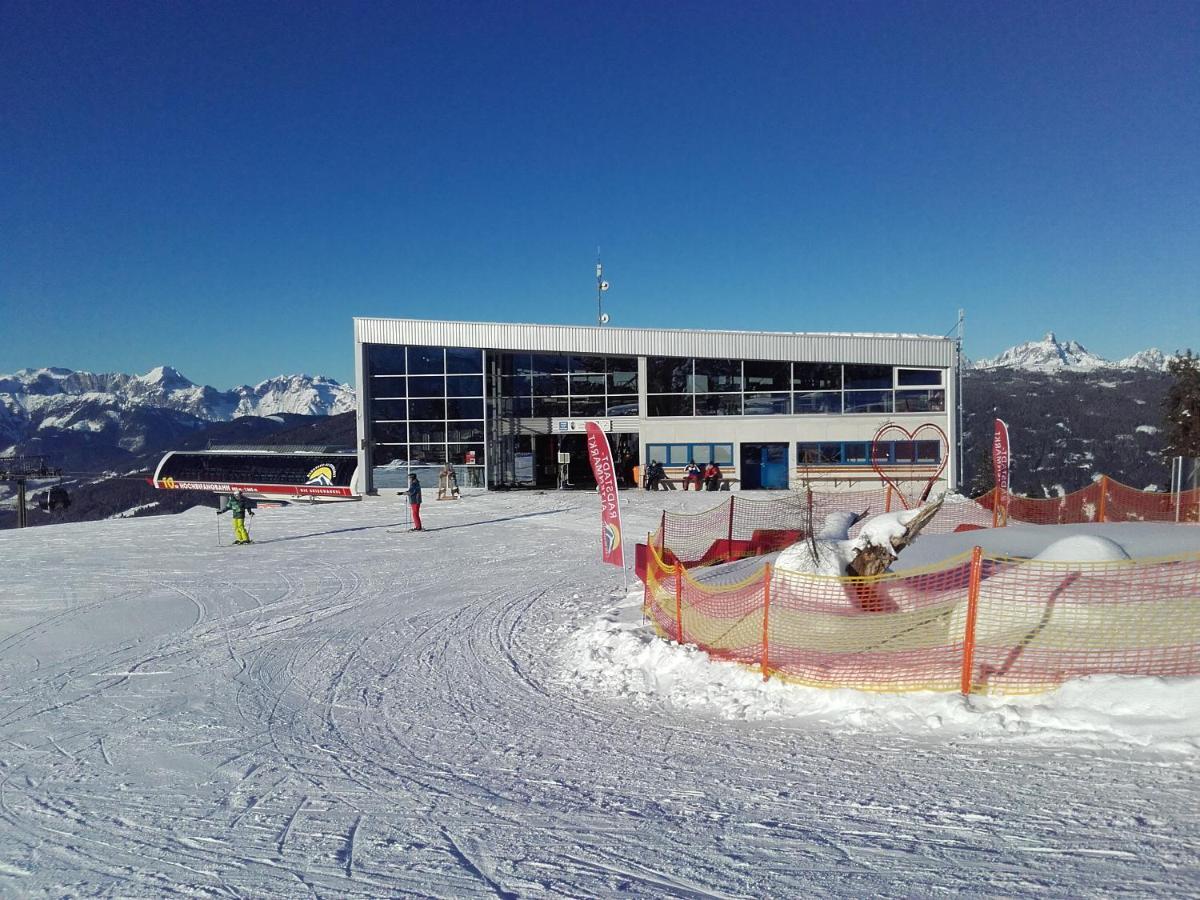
x: 1083, y: 548
x: 618, y: 657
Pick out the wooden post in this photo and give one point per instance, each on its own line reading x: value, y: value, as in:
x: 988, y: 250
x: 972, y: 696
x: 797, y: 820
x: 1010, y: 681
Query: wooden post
x: 766, y: 668
x: 887, y: 500
x: 996, y: 506
x: 662, y: 533
x: 968, y: 662
x: 729, y: 533
x: 1103, y: 497
x: 679, y: 603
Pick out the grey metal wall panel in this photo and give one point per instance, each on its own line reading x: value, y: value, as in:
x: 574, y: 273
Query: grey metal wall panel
x: 884, y: 349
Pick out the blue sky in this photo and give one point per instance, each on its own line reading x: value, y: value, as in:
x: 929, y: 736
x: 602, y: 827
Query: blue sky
x: 222, y: 186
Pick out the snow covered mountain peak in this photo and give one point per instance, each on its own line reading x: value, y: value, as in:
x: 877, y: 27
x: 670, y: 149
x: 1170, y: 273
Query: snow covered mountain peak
x: 1052, y: 355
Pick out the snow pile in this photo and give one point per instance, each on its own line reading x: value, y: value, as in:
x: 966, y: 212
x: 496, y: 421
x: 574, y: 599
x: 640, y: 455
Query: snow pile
x: 1083, y: 548
x: 620, y: 658
x: 833, y: 550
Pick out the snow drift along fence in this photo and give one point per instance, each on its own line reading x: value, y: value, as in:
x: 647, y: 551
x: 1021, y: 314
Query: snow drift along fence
x: 975, y: 623
x: 739, y: 528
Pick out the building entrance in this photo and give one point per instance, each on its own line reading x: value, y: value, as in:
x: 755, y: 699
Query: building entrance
x: 764, y: 467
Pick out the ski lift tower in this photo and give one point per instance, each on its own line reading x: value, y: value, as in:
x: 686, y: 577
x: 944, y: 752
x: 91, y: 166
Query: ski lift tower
x: 17, y: 470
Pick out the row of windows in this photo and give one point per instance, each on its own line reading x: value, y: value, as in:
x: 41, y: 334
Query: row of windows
x: 389, y: 359
x: 562, y: 364
x: 426, y: 432
x: 858, y: 453
x: 806, y: 403
x: 427, y: 386
x: 427, y: 408
x: 427, y: 454
x: 682, y: 454
x: 671, y: 375
x: 563, y: 407
x: 560, y: 385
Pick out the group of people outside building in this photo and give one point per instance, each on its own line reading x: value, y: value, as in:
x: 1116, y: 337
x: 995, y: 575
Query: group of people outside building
x: 693, y: 476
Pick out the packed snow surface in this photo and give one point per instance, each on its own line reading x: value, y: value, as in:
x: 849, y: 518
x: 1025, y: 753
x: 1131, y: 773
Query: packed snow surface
x: 347, y: 709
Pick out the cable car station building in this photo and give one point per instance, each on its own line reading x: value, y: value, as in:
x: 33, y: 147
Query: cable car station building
x: 506, y: 404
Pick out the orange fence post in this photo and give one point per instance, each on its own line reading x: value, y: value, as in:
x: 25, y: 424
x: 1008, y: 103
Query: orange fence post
x: 679, y: 603
x: 1103, y: 497
x: 729, y: 534
x: 972, y: 609
x: 766, y: 668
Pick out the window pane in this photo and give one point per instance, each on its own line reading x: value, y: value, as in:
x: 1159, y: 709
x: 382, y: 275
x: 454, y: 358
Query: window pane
x: 855, y: 454
x: 588, y: 384
x: 868, y: 401
x: 466, y: 454
x: 677, y: 455
x: 817, y: 402
x: 620, y: 406
x: 464, y: 432
x: 858, y: 377
x: 921, y: 401
x: 549, y: 364
x: 718, y: 375
x: 830, y: 454
x: 427, y: 454
x: 718, y: 404
x: 587, y: 364
x: 389, y: 432
x: 768, y: 404
x: 551, y: 407
x: 464, y: 360
x: 385, y: 359
x: 656, y: 452
x: 427, y: 432
x: 904, y: 452
x: 464, y: 386
x: 464, y: 408
x: 917, y: 377
x: 816, y: 377
x: 622, y: 365
x: 388, y: 387
x: 427, y: 409
x: 427, y: 386
x: 588, y: 406
x: 702, y: 453
x: 808, y: 454
x: 768, y: 376
x: 669, y: 404
x: 929, y: 452
x: 522, y: 407
x: 521, y: 386
x: 388, y: 409
x: 549, y: 385
x: 382, y: 455
x: 522, y: 363
x: 426, y: 360
x: 723, y: 454
x: 668, y: 375
x: 622, y: 382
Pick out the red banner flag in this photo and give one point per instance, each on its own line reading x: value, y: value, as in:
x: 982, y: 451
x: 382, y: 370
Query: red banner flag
x: 1001, y: 459
x: 600, y: 456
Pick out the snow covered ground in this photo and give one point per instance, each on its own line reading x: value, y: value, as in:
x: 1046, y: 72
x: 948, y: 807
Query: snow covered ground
x: 345, y: 709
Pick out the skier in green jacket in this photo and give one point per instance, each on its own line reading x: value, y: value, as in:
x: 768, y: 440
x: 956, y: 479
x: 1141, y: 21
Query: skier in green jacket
x: 239, y: 506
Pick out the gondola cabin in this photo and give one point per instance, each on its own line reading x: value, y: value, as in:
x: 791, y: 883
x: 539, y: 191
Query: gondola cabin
x: 264, y: 475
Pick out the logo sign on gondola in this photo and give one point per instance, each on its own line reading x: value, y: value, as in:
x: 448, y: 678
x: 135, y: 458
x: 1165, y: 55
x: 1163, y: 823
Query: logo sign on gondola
x: 322, y: 475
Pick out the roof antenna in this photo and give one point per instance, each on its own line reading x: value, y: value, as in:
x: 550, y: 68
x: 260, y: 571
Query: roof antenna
x: 601, y: 287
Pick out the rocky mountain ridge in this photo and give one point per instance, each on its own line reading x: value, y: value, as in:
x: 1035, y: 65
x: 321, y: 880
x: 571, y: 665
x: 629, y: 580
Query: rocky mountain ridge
x: 1050, y: 355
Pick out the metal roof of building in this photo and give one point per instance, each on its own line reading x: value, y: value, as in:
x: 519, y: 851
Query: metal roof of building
x: 884, y: 349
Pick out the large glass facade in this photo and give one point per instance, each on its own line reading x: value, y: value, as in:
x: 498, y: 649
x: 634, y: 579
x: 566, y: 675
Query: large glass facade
x: 561, y: 386
x: 679, y: 386
x: 425, y: 408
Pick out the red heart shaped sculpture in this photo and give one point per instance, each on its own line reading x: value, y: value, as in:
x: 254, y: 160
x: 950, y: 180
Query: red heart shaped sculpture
x: 886, y: 433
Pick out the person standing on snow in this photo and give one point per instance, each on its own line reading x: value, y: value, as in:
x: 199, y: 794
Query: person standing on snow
x: 239, y: 506
x: 414, y: 501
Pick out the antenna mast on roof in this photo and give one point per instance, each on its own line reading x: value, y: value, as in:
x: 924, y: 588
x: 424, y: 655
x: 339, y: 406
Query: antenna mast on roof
x: 601, y: 287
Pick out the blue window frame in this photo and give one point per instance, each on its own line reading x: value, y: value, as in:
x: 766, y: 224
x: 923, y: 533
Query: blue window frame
x: 679, y: 454
x: 856, y: 453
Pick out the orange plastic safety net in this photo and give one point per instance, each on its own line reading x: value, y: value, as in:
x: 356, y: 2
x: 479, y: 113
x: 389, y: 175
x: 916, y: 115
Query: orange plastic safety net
x: 974, y: 623
x: 740, y: 528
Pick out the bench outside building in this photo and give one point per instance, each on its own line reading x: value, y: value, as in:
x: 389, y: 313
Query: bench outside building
x: 506, y: 404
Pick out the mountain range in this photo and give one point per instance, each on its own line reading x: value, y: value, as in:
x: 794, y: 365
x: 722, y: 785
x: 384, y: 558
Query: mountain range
x: 129, y: 407
x: 1051, y: 355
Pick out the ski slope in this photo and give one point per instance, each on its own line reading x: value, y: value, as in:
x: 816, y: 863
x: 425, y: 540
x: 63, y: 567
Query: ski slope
x: 345, y: 709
